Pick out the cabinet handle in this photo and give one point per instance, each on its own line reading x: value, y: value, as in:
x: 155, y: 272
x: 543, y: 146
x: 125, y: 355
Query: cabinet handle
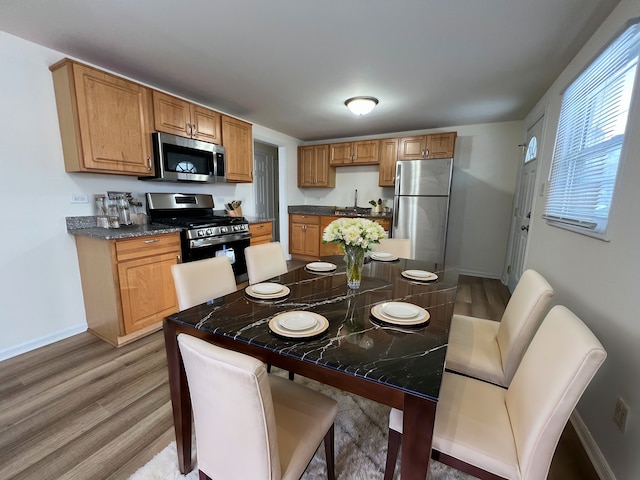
x: 194, y: 130
x: 153, y: 240
x: 188, y: 129
x: 179, y: 258
x: 149, y: 163
x: 426, y: 153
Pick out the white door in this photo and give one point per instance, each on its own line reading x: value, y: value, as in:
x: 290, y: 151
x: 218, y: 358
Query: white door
x: 265, y: 181
x: 523, y: 203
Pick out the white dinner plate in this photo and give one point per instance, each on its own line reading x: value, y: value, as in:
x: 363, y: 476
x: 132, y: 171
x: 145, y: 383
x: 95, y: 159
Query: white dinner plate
x: 276, y: 324
x: 400, y: 310
x: 321, y: 266
x: 298, y: 321
x: 421, y: 275
x: 253, y: 292
x: 267, y: 288
x: 419, y: 320
x: 383, y: 256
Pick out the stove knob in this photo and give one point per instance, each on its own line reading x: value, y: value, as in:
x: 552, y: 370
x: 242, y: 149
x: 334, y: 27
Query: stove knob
x: 224, y: 229
x: 209, y: 231
x: 200, y: 233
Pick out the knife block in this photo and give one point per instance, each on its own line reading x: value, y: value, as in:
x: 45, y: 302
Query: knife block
x: 235, y: 213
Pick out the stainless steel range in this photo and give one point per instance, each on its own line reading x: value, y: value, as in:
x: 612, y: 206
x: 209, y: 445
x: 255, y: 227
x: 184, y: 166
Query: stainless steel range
x: 204, y: 233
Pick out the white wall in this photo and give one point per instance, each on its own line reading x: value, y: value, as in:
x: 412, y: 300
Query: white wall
x: 40, y: 290
x: 484, y: 178
x: 600, y: 280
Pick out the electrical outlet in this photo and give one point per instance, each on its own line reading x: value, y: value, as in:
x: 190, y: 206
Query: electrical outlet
x: 620, y: 414
x: 79, y: 198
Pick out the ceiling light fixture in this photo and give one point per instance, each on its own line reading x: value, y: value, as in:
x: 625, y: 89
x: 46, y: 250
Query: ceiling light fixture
x: 361, y: 105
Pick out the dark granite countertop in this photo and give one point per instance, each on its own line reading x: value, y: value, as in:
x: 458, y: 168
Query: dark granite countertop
x: 251, y: 219
x: 86, y: 227
x: 409, y: 359
x: 330, y: 210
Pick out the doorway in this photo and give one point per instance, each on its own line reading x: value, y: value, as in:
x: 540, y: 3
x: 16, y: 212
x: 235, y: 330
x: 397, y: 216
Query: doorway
x: 523, y: 204
x: 265, y: 181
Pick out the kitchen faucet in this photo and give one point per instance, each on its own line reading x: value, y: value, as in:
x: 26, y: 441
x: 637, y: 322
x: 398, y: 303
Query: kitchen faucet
x: 355, y: 202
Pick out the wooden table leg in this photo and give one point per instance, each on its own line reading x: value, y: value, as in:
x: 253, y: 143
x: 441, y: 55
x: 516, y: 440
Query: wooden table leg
x: 417, y: 433
x: 180, y: 399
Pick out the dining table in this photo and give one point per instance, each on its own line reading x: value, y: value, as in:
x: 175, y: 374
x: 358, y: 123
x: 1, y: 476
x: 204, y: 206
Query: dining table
x: 355, y: 347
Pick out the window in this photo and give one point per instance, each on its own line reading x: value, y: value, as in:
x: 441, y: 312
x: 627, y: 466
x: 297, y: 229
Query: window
x: 532, y: 150
x: 593, y: 120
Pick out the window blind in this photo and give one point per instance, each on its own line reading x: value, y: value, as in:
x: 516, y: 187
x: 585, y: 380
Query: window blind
x: 593, y: 120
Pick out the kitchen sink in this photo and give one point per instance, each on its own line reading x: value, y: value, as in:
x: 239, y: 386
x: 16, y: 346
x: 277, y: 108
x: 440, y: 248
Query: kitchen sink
x: 352, y: 211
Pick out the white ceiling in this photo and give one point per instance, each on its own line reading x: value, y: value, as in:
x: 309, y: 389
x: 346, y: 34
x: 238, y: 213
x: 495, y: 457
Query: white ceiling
x: 289, y: 65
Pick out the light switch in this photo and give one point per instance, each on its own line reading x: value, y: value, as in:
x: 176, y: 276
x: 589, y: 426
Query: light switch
x: 79, y: 198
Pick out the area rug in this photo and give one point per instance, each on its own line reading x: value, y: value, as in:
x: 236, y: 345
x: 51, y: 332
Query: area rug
x: 360, y: 446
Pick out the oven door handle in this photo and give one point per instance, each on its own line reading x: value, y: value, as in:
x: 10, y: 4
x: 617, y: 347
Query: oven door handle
x: 207, y: 242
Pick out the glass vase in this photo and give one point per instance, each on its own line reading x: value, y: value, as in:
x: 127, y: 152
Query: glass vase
x: 354, y: 260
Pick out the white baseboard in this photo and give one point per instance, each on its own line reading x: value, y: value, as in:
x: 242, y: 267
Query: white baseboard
x: 42, y: 341
x: 475, y: 273
x: 591, y: 447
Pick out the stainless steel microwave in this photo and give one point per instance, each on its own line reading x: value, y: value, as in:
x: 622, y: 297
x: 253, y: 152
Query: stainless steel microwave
x: 179, y: 159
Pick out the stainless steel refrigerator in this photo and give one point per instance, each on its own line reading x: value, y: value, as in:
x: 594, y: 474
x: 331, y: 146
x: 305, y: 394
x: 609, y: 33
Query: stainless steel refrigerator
x: 421, y: 206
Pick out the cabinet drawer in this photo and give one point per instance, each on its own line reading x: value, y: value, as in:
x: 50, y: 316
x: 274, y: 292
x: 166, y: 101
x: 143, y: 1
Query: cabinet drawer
x: 308, y: 219
x: 259, y: 229
x: 151, y: 245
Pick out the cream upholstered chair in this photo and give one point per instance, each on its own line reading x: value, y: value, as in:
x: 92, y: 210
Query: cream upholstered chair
x: 250, y: 424
x: 203, y: 280
x: 492, y: 351
x: 265, y: 261
x: 513, y: 433
x: 397, y: 246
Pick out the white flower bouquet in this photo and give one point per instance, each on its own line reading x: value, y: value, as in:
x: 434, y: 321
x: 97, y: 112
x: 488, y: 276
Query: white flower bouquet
x: 355, y: 232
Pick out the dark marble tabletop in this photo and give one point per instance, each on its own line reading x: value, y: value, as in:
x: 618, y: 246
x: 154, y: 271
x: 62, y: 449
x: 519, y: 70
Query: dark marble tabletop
x: 409, y: 359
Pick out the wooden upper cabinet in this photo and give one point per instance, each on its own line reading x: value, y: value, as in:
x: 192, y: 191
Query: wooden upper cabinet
x: 439, y: 145
x: 365, y: 152
x: 105, y: 121
x: 179, y: 117
x: 237, y: 139
x: 388, y: 158
x: 313, y: 167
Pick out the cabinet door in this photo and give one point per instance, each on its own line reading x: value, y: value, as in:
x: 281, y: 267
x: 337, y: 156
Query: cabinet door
x: 147, y: 290
x: 366, y: 152
x: 306, y: 166
x: 237, y: 140
x: 171, y: 114
x: 206, y: 125
x: 331, y: 248
x: 388, y: 157
x: 312, y: 240
x: 412, y: 148
x: 325, y: 176
x: 340, y: 154
x: 441, y: 145
x: 296, y: 242
x: 113, y: 119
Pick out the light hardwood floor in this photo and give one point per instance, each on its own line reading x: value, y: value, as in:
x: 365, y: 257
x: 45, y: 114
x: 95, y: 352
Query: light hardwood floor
x: 82, y: 409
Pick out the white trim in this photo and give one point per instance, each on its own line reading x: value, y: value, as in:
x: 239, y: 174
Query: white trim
x: 42, y: 341
x: 475, y: 273
x: 591, y: 447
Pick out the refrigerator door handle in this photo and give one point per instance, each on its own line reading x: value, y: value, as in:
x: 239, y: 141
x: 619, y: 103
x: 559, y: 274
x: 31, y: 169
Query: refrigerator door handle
x: 398, y: 169
x: 396, y: 204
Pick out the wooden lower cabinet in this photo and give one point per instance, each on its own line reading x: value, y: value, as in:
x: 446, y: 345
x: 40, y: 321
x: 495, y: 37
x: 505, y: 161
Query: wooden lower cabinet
x: 127, y: 284
x: 331, y: 248
x: 304, y: 236
x: 302, y: 245
x: 261, y: 232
